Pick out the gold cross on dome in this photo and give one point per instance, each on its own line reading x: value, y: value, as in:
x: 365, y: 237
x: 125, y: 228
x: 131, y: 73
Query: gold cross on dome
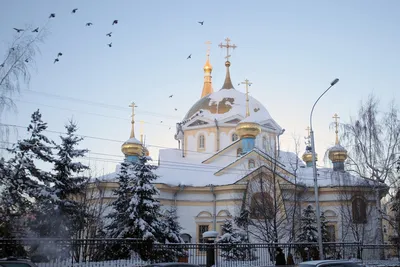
x: 336, y: 117
x: 227, y: 46
x: 133, y: 106
x: 247, y: 83
x: 208, y: 43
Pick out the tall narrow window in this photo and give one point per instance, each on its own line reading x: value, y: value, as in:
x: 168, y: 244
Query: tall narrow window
x: 261, y: 206
x: 234, y: 137
x: 331, y: 233
x: 201, y: 141
x: 359, y: 210
x: 252, y: 164
x: 201, y: 229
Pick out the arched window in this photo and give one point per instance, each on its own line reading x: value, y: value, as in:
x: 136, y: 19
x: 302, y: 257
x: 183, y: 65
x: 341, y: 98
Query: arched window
x: 264, y: 142
x: 251, y: 163
x: 234, y: 137
x: 359, y: 210
x: 261, y: 206
x: 201, y: 141
x: 239, y: 152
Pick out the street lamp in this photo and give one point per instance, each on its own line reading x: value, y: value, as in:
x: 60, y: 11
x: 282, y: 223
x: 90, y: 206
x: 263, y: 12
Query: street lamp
x: 321, y: 253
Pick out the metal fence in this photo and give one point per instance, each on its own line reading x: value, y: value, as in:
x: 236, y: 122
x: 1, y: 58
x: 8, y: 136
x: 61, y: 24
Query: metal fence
x: 132, y: 252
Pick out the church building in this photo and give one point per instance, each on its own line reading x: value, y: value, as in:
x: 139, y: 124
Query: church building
x: 228, y: 160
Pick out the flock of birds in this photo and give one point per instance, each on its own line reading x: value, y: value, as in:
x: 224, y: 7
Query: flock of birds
x: 88, y: 24
x: 53, y: 15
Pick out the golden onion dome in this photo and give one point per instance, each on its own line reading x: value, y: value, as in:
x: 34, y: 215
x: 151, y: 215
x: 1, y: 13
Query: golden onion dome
x: 132, y: 147
x: 248, y: 129
x: 307, y: 157
x: 337, y: 153
x: 208, y: 67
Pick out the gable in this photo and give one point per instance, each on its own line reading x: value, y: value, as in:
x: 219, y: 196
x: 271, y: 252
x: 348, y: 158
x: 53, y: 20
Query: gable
x: 236, y: 144
x: 198, y: 123
x: 234, y: 121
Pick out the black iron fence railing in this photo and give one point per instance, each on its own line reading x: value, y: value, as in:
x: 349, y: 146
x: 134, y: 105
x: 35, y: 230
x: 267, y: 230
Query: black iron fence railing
x: 133, y: 252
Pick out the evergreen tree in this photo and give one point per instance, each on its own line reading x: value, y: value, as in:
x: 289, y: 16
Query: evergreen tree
x: 234, y: 243
x: 324, y: 228
x: 308, y: 231
x: 63, y: 216
x: 136, y: 212
x: 25, y: 181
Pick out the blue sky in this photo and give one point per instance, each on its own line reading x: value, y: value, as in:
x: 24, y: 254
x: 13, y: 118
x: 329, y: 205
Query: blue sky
x: 290, y: 50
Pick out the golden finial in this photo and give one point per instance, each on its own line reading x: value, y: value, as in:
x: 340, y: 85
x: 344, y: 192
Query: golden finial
x: 247, y: 83
x: 336, y: 117
x: 227, y: 46
x: 207, y: 87
x: 132, y: 105
x: 228, y: 82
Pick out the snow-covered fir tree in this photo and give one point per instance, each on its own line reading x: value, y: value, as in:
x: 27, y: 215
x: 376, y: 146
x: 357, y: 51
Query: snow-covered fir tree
x: 234, y: 242
x: 308, y: 231
x: 63, y: 216
x: 136, y: 211
x: 27, y: 182
x: 324, y: 228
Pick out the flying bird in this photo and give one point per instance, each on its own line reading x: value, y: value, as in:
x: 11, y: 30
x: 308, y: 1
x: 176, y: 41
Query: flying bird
x: 52, y: 15
x: 160, y: 121
x: 59, y: 54
x: 26, y: 60
x: 176, y: 109
x: 56, y: 60
x: 110, y: 44
x: 109, y: 34
x: 2, y: 65
x: 74, y: 10
x: 190, y: 56
x: 115, y: 22
x: 18, y: 30
x: 169, y: 128
x: 89, y: 24
x: 36, y: 30
x: 171, y: 96
x: 201, y: 22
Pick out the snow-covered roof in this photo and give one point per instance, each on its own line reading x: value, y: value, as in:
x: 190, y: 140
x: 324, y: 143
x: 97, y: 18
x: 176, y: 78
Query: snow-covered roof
x: 226, y: 103
x: 337, y: 147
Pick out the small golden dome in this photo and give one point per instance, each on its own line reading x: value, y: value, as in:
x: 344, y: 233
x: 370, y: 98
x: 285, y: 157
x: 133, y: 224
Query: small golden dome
x: 132, y: 147
x: 248, y: 129
x: 337, y: 153
x: 208, y: 67
x: 307, y: 157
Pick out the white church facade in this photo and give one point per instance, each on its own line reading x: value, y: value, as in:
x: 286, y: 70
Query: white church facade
x: 229, y: 160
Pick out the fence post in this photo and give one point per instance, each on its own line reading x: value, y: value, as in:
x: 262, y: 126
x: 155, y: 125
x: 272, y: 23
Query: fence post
x: 210, y: 237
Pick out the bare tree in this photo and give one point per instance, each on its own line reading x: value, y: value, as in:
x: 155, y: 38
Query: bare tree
x: 373, y: 139
x: 15, y: 68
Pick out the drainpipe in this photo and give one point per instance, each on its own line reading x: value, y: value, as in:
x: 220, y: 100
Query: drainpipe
x: 215, y: 208
x: 278, y: 145
x: 216, y: 125
x: 181, y: 187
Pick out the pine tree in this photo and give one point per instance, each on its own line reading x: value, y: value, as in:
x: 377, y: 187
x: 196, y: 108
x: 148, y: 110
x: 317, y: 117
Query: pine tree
x: 324, y: 228
x: 63, y: 217
x: 136, y: 212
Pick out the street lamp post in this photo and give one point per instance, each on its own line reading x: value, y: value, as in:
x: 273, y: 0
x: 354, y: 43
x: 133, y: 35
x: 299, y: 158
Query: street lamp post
x: 318, y: 215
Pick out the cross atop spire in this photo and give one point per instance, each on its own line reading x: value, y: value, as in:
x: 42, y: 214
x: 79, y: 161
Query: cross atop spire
x: 227, y: 46
x: 208, y: 43
x: 133, y: 106
x: 247, y: 83
x: 308, y: 131
x: 336, y: 117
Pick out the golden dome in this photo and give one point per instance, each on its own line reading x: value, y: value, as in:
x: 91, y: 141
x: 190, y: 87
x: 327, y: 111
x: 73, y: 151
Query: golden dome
x: 132, y: 147
x: 248, y: 129
x: 307, y: 157
x: 208, y: 67
x: 337, y: 153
